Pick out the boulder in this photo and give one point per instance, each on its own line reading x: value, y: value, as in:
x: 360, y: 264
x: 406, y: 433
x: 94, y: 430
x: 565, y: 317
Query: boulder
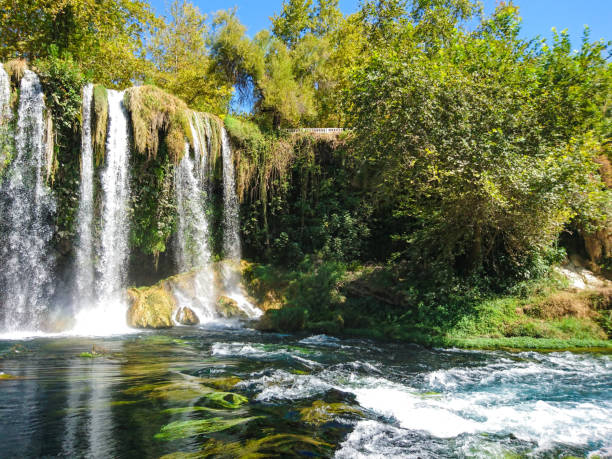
x: 151, y: 307
x: 186, y: 316
x: 228, y: 308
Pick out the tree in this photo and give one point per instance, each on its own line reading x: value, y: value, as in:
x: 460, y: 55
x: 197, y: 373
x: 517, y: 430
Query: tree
x: 262, y: 69
x: 106, y: 37
x: 293, y: 22
x: 183, y: 64
x: 460, y: 153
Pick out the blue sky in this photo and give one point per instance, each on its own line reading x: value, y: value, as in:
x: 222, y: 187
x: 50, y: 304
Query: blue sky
x: 539, y: 16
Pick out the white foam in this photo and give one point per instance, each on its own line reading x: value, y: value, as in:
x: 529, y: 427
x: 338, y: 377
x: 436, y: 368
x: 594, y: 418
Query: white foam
x: 321, y: 340
x: 373, y: 440
x: 282, y: 385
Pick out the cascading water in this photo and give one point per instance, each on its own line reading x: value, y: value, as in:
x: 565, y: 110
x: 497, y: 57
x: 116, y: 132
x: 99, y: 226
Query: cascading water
x: 231, y: 231
x: 193, y: 251
x: 231, y: 236
x: 27, y: 208
x: 84, y: 275
x: 108, y: 313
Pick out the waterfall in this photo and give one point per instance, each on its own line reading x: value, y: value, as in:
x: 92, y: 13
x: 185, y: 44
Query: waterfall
x: 27, y: 209
x: 116, y: 194
x: 108, y: 313
x: 232, y: 279
x: 84, y: 275
x: 193, y: 250
x: 231, y: 235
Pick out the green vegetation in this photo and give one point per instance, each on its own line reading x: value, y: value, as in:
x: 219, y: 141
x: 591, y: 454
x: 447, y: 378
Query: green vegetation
x: 320, y: 412
x: 105, y: 37
x: 370, y: 302
x: 184, y: 429
x: 62, y: 80
x: 474, y: 159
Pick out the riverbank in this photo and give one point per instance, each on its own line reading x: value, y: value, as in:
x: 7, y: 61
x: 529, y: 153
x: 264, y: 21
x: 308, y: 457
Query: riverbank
x: 546, y: 314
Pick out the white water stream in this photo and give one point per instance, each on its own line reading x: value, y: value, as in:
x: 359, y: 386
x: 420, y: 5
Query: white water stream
x: 107, y: 314
x: 26, y: 282
x: 84, y: 275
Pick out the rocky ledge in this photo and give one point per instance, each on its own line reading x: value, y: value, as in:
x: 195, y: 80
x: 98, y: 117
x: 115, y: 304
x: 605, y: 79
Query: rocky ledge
x: 172, y: 301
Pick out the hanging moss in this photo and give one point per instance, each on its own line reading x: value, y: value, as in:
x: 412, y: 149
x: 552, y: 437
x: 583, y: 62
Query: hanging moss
x: 215, y: 140
x: 15, y: 69
x: 99, y: 122
x: 158, y: 115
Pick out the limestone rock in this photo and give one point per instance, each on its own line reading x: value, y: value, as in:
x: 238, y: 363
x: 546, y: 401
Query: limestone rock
x: 151, y: 307
x: 228, y: 308
x: 186, y: 316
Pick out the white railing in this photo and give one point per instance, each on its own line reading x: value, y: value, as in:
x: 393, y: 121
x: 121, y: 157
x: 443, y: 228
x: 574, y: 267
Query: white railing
x: 318, y: 130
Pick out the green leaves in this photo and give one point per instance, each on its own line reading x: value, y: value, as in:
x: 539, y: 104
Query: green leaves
x: 475, y: 161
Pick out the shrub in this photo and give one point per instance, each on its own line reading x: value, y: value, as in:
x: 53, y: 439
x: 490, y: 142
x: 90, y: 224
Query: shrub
x: 288, y: 319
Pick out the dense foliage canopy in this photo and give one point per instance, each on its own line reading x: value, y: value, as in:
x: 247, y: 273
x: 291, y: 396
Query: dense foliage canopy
x: 471, y: 149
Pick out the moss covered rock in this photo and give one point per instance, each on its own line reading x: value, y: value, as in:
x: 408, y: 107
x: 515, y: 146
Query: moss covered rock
x: 186, y: 316
x: 151, y: 307
x: 228, y: 308
x: 321, y: 412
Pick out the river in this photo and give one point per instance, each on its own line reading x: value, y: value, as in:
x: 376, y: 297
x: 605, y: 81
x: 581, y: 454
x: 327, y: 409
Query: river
x: 226, y: 391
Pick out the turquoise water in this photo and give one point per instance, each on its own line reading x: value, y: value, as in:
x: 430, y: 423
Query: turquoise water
x: 226, y: 392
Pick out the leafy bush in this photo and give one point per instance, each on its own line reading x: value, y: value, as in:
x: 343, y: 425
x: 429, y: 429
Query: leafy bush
x: 315, y: 288
x: 245, y: 132
x: 287, y: 319
x: 62, y: 81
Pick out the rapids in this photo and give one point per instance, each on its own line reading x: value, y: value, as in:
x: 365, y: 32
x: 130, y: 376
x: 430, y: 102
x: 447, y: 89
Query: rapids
x: 227, y: 391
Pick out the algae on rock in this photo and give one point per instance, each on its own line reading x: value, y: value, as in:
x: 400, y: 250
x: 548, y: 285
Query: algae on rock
x: 320, y: 412
x: 186, y: 316
x: 184, y: 429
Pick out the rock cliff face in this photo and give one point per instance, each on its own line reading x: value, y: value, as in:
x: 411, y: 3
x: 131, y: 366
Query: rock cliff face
x: 599, y: 246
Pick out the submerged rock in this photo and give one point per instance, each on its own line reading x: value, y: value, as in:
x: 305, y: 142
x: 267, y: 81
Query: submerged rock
x: 186, y: 316
x: 228, y: 308
x: 278, y: 445
x: 321, y: 412
x: 151, y: 307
